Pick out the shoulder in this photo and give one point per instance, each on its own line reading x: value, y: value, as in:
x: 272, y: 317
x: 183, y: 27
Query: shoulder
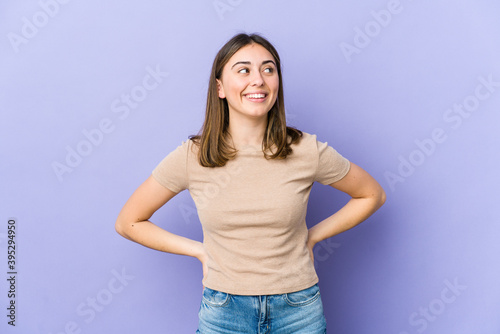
x: 306, y: 147
x: 311, y: 145
x: 189, y: 145
x: 312, y: 140
x: 307, y: 140
x: 182, y: 149
x: 308, y: 136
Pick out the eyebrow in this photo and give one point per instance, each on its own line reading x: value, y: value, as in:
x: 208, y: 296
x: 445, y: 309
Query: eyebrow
x: 248, y: 63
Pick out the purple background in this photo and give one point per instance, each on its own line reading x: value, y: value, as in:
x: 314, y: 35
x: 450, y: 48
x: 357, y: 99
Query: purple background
x: 386, y: 104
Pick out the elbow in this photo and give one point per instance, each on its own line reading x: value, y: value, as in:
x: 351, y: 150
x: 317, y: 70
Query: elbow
x: 377, y: 197
x: 121, y: 228
x: 381, y: 197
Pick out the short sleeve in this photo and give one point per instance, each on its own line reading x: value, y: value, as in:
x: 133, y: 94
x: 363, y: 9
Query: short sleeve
x: 332, y: 166
x: 171, y: 172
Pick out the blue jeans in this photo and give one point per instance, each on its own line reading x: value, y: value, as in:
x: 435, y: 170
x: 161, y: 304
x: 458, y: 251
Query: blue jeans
x: 289, y: 313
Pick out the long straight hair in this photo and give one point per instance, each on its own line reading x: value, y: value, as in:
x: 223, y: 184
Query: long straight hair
x: 213, y: 138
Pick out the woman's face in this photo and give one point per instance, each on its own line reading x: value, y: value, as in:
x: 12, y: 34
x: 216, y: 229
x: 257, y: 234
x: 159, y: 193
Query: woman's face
x: 250, y: 81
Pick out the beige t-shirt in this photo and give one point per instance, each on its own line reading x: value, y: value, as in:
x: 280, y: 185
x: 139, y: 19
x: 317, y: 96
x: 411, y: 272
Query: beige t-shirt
x: 253, y: 211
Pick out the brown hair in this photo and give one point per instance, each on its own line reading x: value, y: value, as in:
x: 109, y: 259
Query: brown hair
x: 214, y: 139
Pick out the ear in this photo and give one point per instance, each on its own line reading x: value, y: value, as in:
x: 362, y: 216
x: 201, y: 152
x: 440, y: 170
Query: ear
x: 220, y: 89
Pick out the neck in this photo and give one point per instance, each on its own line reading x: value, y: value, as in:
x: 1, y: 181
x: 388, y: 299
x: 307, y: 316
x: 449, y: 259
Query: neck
x: 247, y: 132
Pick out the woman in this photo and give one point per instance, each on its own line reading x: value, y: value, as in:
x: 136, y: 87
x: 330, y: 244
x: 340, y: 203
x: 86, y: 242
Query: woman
x: 250, y: 177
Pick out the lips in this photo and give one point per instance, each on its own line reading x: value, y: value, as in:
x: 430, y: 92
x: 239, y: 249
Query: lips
x: 256, y: 97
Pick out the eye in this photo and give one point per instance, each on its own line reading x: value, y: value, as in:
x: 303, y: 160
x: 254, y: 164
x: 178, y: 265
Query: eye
x: 269, y: 70
x: 243, y: 70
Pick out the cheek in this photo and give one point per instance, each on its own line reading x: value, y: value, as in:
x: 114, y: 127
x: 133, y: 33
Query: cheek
x: 235, y: 89
x: 274, y: 84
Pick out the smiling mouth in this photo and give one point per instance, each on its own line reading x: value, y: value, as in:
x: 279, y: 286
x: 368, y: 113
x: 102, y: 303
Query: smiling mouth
x: 256, y: 97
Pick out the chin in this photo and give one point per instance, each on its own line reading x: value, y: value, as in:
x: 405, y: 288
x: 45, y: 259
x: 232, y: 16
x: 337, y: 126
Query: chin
x: 257, y: 113
x: 261, y: 110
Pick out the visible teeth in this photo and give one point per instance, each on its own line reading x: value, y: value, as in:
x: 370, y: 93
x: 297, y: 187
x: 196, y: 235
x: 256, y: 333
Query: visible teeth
x: 256, y: 96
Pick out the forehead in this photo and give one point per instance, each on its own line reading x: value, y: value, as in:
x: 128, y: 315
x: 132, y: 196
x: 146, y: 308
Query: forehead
x: 255, y: 53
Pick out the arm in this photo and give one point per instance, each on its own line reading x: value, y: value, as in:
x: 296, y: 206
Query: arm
x: 367, y: 196
x: 133, y: 223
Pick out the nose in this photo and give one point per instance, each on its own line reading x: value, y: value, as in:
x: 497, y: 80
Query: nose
x: 257, y: 79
